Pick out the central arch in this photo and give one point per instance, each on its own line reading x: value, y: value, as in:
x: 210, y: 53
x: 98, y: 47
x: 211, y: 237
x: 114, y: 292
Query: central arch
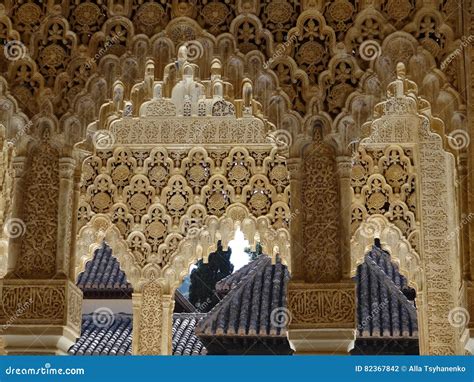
x: 172, y: 181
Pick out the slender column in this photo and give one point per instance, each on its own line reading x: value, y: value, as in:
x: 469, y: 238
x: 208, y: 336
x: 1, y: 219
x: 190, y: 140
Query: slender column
x: 65, y: 215
x: 344, y: 171
x: 137, y: 308
x: 14, y: 246
x: 166, y: 337
x: 296, y: 232
x: 76, y: 197
x: 148, y: 320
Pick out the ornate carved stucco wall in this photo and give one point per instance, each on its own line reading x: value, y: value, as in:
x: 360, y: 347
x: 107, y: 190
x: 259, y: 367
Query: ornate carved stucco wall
x: 403, y: 173
x: 308, y: 62
x: 183, y: 174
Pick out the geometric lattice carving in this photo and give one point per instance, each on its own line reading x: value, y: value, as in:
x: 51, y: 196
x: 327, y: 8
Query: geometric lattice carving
x: 383, y: 182
x: 320, y: 187
x: 403, y: 173
x: 38, y: 250
x: 150, y: 321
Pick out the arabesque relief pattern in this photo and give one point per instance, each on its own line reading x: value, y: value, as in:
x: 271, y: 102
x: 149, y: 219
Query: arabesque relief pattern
x: 158, y: 194
x: 84, y: 67
x: 383, y: 182
x: 415, y: 174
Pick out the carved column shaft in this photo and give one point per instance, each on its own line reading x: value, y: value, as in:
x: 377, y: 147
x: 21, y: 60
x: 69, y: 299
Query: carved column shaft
x: 150, y: 315
x: 14, y: 246
x: 296, y: 231
x: 74, y: 228
x: 65, y: 215
x: 318, y: 326
x: 167, y: 337
x: 344, y: 171
x: 37, y: 298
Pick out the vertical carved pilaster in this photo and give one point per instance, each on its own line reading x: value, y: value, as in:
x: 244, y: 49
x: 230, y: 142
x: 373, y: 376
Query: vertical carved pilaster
x: 36, y: 298
x: 14, y: 246
x: 320, y: 198
x: 317, y: 294
x: 344, y: 171
x: 296, y: 231
x: 65, y: 215
x: 167, y: 338
x: 37, y: 258
x: 148, y: 328
x: 411, y: 157
x: 74, y: 227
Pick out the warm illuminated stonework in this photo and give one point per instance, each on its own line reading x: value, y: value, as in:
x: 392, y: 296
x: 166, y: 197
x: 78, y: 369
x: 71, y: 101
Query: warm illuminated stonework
x: 314, y: 127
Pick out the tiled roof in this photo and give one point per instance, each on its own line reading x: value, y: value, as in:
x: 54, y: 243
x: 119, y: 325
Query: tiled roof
x: 226, y: 284
x: 254, y: 291
x: 383, y: 310
x: 116, y: 338
x: 257, y: 289
x: 185, y: 341
x: 103, y: 278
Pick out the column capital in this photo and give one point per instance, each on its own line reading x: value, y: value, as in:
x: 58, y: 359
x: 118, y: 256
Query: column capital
x: 294, y: 166
x: 344, y: 166
x: 67, y: 166
x: 19, y: 165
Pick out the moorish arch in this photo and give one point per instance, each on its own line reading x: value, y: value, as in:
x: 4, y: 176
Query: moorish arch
x: 402, y: 176
x: 67, y: 74
x: 177, y: 178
